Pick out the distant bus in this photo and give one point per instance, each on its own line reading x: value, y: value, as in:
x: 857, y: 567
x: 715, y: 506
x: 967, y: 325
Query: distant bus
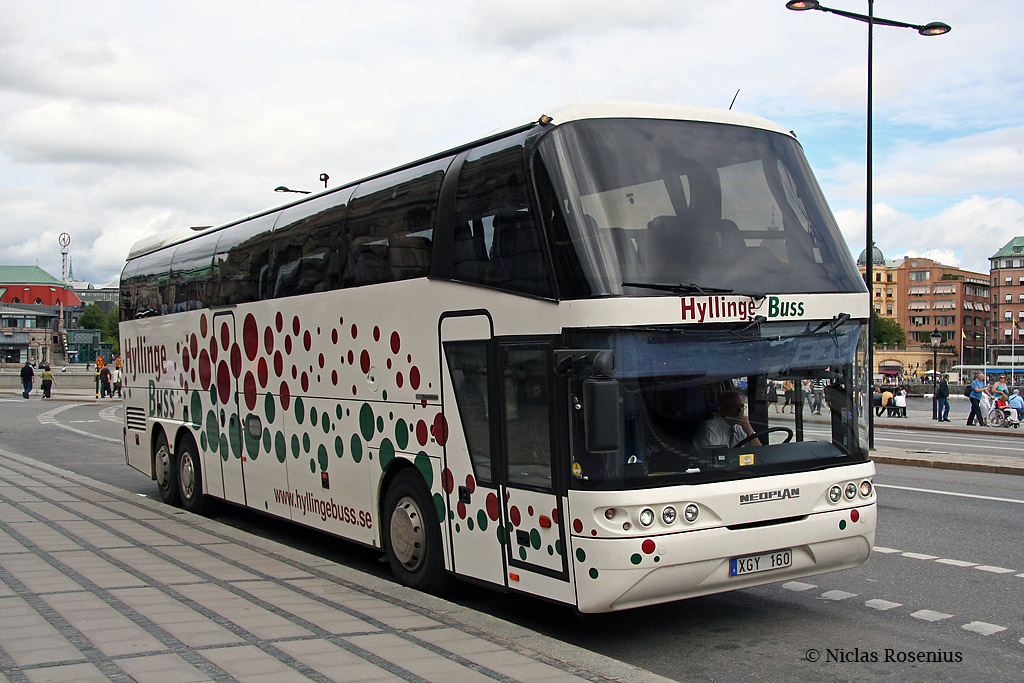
x: 503, y: 362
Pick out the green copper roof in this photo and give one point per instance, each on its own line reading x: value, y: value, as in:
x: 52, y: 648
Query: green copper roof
x: 27, y: 275
x: 1014, y: 247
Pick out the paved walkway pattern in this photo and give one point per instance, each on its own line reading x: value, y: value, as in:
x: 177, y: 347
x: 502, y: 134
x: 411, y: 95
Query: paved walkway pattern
x: 97, y: 584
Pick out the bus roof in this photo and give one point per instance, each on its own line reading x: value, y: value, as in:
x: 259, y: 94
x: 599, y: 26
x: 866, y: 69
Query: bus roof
x: 561, y: 115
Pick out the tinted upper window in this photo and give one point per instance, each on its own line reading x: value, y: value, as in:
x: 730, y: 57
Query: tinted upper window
x: 311, y: 246
x: 241, y: 266
x: 191, y: 273
x: 668, y: 202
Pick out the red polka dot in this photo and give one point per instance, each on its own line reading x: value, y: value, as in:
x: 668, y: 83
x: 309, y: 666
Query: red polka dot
x: 577, y: 526
x: 321, y: 360
x: 334, y: 336
x: 554, y: 515
x: 202, y: 326
x: 278, y: 363
x: 492, y: 506
x: 268, y: 340
x: 279, y: 322
x: 593, y: 532
x: 399, y: 380
x: 185, y: 362
x: 396, y: 342
x: 236, y: 360
x: 447, y: 480
x: 286, y: 396
x: 529, y: 511
x: 421, y: 432
x: 225, y: 336
x: 355, y: 392
x: 376, y: 334
x: 296, y: 326
x: 223, y: 382
x: 295, y: 372
x: 334, y: 377
x: 193, y: 345
x: 307, y: 340
x: 305, y: 382
x: 389, y: 363
x: 250, y: 390
x: 470, y: 483
x: 515, y: 516
x: 414, y: 377
x: 364, y: 361
x: 262, y: 373
x: 351, y: 357
x: 355, y: 331
x: 648, y: 546
x: 214, y: 349
x: 251, y: 337
x: 440, y: 429
x: 461, y: 509
x: 288, y: 345
x: 205, y: 371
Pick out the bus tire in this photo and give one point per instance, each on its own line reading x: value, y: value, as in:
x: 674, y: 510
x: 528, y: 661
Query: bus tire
x: 412, y: 535
x: 190, y: 477
x: 165, y: 471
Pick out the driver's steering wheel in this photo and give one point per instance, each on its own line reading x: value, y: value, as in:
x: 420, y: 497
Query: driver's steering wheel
x: 765, y: 433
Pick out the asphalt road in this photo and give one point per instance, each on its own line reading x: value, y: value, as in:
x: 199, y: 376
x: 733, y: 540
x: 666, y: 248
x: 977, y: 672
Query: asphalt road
x: 945, y: 582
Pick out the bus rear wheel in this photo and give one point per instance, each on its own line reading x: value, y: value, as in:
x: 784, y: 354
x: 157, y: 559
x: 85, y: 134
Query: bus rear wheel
x: 166, y: 471
x: 412, y: 535
x: 190, y: 477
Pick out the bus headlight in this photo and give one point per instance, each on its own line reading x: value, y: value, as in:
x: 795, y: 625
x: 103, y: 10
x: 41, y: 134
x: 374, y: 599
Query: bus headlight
x: 865, y: 489
x: 835, y: 493
x: 646, y: 517
x: 851, y: 490
x: 690, y: 513
x: 668, y: 515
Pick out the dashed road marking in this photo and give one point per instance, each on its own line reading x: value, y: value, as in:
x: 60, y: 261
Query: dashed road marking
x: 882, y: 605
x: 930, y: 615
x: 920, y: 556
x: 995, y: 570
x: 882, y: 549
x: 983, y: 628
x: 798, y: 586
x: 838, y: 595
x: 950, y: 493
x: 957, y: 563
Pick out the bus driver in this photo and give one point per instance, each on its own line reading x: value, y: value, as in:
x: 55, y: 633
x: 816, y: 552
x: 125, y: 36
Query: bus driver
x: 728, y: 426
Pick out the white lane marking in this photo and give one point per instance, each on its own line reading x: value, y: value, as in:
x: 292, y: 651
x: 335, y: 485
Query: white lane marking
x: 882, y: 549
x: 995, y: 570
x: 920, y: 556
x: 957, y: 563
x: 882, y: 605
x: 109, y: 414
x: 930, y: 615
x: 900, y: 442
x: 798, y: 586
x: 838, y: 595
x: 50, y: 418
x: 983, y: 628
x: 950, y: 493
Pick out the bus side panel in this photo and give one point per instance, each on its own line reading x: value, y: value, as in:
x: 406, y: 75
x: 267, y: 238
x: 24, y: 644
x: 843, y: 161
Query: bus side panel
x: 266, y: 432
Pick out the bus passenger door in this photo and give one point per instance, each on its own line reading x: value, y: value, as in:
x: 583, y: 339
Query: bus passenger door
x: 535, y: 540
x: 471, y: 494
x: 229, y: 452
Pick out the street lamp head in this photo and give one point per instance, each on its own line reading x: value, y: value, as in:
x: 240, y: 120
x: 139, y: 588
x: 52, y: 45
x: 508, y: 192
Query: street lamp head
x: 935, y: 28
x: 936, y: 338
x: 282, y: 188
x: 801, y: 5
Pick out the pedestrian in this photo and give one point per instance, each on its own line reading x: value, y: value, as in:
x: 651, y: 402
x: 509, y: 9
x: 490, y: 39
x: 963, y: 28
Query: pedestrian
x: 978, y: 390
x: 27, y: 373
x: 886, y: 404
x: 900, y: 401
x: 1017, y: 403
x: 817, y: 395
x: 772, y: 394
x: 105, y: 382
x: 47, y: 378
x: 999, y: 391
x: 788, y: 389
x: 115, y: 378
x: 942, y: 399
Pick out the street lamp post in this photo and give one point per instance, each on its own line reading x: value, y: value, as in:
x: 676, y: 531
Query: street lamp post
x: 936, y: 339
x: 935, y: 28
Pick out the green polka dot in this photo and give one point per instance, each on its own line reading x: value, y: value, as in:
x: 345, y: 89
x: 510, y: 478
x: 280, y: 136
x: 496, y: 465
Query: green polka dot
x: 295, y: 446
x: 212, y: 430
x: 535, y: 539
x: 224, y: 448
x: 558, y: 546
x: 252, y: 445
x: 197, y: 410
x: 314, y: 416
x: 321, y: 457
x: 269, y: 407
x: 387, y: 453
x: 439, y: 505
x: 300, y: 411
x: 366, y: 421
x: 356, y: 446
x: 213, y: 394
x: 636, y: 558
x: 580, y: 555
x: 481, y: 520
x: 842, y: 525
x: 235, y: 436
x: 305, y: 442
x: 422, y: 462
x: 401, y: 434
x: 279, y: 447
x: 380, y: 425
x: 469, y: 523
x: 499, y: 531
x: 522, y: 552
x: 339, y: 446
x: 551, y: 551
x: 657, y: 558
x: 202, y: 441
x: 458, y: 529
x: 268, y: 440
x: 593, y: 573
x: 337, y: 411
x: 312, y: 466
x: 325, y: 423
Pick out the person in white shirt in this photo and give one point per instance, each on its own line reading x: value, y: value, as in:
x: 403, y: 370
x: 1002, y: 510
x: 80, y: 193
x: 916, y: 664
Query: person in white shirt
x: 728, y: 426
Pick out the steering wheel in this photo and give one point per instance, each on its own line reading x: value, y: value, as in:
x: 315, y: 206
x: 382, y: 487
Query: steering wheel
x: 765, y: 433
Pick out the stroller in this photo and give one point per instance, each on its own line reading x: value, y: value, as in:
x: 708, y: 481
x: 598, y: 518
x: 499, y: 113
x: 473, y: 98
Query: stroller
x: 999, y: 413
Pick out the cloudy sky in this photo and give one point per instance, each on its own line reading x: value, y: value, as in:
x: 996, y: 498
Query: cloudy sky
x: 120, y: 119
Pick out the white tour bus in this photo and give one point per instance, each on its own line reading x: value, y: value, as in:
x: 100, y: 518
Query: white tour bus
x: 503, y: 362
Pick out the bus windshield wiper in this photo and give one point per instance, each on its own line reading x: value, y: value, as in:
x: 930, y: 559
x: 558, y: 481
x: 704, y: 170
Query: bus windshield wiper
x: 828, y: 328
x: 681, y: 288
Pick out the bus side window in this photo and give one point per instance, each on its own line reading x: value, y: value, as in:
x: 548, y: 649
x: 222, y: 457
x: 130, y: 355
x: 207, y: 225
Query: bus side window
x: 497, y: 241
x: 239, y: 267
x: 191, y: 267
x: 310, y: 246
x: 467, y: 363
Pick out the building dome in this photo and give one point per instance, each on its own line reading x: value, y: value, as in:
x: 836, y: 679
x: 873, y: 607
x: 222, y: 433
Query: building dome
x: 877, y: 258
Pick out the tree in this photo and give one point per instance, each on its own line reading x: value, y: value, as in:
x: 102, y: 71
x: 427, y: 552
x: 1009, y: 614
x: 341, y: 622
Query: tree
x: 93, y: 318
x: 110, y: 329
x: 887, y: 332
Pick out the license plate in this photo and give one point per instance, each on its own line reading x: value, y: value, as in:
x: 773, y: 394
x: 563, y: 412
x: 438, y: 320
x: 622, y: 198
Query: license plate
x: 764, y: 562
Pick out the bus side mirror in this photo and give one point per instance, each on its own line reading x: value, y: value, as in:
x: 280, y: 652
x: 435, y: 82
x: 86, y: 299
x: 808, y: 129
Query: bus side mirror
x: 601, y: 410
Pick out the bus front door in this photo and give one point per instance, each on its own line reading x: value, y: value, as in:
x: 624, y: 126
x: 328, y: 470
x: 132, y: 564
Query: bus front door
x: 228, y: 451
x: 534, y: 539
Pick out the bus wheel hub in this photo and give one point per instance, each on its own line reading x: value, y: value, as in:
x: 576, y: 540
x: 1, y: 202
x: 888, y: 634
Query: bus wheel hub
x: 408, y: 537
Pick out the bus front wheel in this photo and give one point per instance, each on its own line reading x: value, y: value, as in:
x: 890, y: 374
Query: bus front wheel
x: 190, y: 477
x: 166, y: 471
x: 412, y: 536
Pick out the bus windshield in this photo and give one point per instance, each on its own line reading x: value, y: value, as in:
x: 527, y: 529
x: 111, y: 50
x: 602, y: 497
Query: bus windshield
x: 712, y: 207
x: 675, y: 426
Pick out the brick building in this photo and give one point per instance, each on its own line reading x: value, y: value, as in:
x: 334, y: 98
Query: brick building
x: 1007, y: 273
